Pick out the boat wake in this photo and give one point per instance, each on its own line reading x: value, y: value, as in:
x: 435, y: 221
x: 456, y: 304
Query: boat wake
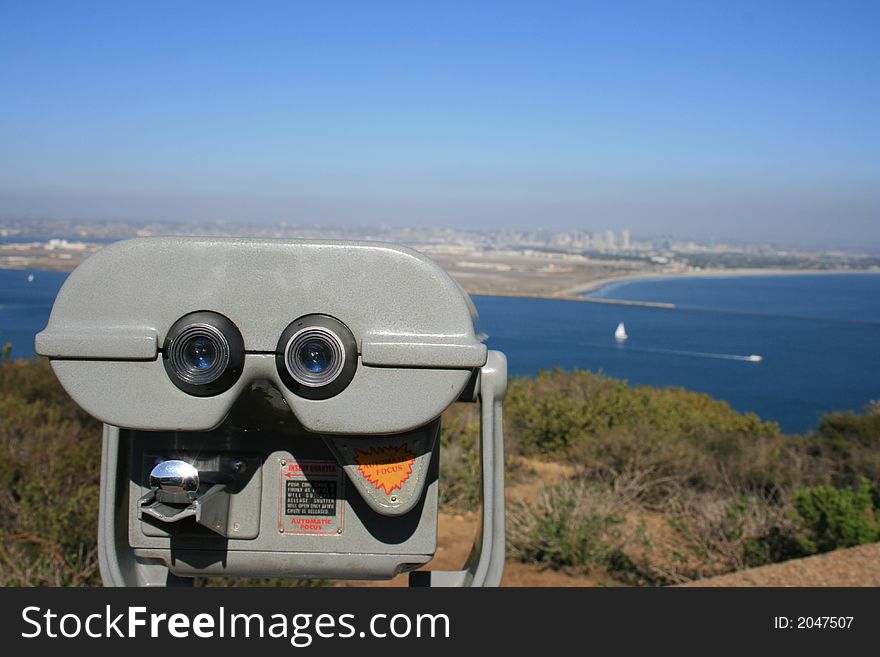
x: 751, y: 358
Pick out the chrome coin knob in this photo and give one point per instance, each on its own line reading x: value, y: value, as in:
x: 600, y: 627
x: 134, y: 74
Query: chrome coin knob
x: 175, y: 477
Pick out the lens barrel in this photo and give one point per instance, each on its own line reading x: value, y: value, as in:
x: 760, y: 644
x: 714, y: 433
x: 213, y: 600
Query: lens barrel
x: 203, y: 353
x: 316, y: 356
x: 199, y: 355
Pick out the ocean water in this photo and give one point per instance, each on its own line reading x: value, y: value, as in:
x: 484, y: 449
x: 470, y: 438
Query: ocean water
x: 25, y: 306
x: 818, y: 336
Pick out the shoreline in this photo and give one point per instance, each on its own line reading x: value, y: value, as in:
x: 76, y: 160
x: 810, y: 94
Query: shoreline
x: 578, y: 291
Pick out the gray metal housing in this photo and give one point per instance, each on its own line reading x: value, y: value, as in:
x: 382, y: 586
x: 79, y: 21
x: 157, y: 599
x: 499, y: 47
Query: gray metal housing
x: 412, y: 323
x: 417, y: 353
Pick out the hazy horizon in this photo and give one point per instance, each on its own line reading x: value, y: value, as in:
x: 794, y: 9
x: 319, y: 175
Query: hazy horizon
x: 741, y: 121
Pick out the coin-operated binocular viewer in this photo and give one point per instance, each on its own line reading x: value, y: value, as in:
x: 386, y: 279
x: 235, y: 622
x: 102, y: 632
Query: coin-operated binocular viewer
x: 272, y: 408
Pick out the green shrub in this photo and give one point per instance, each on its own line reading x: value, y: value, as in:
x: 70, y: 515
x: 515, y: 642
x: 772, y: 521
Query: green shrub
x: 835, y: 518
x: 50, y: 456
x: 846, y: 448
x: 723, y: 531
x: 460, y: 475
x: 556, y: 410
x: 569, y: 527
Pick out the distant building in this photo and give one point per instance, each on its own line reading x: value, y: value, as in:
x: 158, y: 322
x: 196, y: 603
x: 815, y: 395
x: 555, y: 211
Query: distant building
x: 625, y: 243
x: 609, y: 239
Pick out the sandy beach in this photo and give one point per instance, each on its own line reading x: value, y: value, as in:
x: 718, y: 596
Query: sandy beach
x: 598, y: 284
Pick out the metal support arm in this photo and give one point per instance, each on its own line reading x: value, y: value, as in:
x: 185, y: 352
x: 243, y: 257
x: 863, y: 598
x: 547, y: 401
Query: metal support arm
x: 485, y: 565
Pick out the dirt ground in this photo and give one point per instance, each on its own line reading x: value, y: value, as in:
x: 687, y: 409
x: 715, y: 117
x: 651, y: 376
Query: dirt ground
x: 858, y: 566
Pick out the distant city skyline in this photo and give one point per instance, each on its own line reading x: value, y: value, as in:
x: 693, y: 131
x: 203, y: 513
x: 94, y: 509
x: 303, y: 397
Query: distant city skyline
x: 747, y: 121
x: 76, y: 233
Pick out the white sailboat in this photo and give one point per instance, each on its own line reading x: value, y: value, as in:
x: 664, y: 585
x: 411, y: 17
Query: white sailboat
x: 30, y: 278
x: 620, y: 333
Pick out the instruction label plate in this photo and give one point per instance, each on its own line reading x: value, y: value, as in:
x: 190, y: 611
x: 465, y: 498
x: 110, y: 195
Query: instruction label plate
x: 311, y: 500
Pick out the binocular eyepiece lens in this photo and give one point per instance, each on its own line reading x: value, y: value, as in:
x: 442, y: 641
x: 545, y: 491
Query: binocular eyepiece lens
x: 316, y: 356
x: 200, y: 353
x: 203, y: 353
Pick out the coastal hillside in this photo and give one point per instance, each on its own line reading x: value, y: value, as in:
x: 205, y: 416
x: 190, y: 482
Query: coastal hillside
x: 608, y: 484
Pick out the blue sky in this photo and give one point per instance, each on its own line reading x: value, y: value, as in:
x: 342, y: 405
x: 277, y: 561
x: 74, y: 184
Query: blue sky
x: 739, y: 120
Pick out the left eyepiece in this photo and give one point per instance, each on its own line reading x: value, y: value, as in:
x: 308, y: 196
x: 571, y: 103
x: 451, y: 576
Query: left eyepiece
x: 203, y: 353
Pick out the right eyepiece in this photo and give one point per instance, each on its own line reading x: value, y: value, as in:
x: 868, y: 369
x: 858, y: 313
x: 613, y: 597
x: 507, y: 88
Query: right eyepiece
x: 316, y: 356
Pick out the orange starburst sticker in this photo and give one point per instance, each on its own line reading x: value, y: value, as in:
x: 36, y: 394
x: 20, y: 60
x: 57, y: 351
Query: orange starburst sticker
x: 386, y: 467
